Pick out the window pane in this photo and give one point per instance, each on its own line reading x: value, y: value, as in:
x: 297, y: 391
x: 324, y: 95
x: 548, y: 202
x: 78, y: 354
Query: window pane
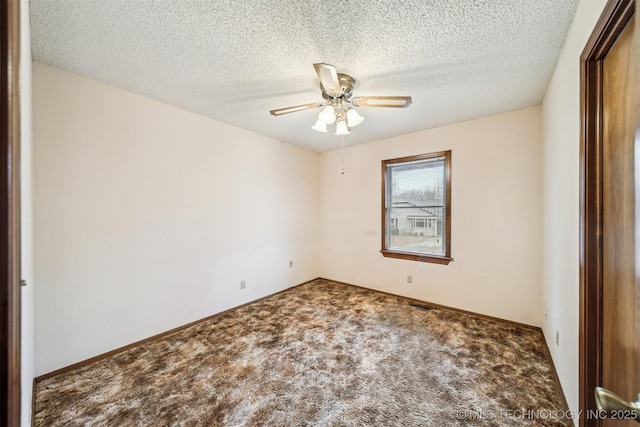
x: 414, y: 234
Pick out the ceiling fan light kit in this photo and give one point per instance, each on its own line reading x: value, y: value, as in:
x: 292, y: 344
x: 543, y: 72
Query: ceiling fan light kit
x: 328, y: 115
x: 341, y: 128
x: 353, y: 118
x: 339, y: 107
x: 320, y: 126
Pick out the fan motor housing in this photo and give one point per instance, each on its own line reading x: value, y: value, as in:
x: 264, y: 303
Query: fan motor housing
x: 346, y: 85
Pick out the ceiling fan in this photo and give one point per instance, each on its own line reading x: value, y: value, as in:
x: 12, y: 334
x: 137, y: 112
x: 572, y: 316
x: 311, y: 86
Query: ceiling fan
x: 339, y: 105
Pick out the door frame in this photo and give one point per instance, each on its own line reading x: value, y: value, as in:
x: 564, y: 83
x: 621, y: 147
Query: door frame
x: 10, y: 213
x: 616, y: 15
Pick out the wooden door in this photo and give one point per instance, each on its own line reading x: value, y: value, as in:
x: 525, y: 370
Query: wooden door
x: 621, y: 322
x: 9, y: 214
x: 610, y: 269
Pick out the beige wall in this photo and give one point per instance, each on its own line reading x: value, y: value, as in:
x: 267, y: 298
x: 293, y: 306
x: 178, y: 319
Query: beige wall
x: 496, y: 223
x: 561, y: 184
x: 147, y: 217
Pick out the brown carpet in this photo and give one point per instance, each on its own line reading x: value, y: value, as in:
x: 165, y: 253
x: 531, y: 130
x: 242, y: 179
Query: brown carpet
x: 320, y: 354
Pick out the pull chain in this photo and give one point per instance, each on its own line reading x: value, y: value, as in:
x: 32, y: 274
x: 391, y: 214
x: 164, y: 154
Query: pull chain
x: 342, y: 153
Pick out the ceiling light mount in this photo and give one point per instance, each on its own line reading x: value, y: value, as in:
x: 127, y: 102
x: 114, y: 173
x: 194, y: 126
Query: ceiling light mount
x: 346, y: 83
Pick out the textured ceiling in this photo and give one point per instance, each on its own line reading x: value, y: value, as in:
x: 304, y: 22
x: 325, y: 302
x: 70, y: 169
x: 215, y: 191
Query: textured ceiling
x: 236, y: 60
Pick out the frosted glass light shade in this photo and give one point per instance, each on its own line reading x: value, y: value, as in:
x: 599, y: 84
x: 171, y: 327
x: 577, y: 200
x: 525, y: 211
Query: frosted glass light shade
x: 354, y: 118
x: 341, y: 128
x: 328, y: 115
x: 320, y: 126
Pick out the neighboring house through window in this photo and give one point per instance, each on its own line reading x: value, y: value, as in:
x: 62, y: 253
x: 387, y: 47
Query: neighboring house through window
x: 416, y: 206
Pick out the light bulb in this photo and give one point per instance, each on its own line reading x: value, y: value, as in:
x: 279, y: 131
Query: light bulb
x: 320, y: 126
x: 354, y: 118
x: 341, y: 128
x: 328, y: 115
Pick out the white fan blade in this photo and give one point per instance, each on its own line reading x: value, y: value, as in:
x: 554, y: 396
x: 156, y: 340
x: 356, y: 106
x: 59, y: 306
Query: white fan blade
x: 382, y: 101
x: 328, y: 78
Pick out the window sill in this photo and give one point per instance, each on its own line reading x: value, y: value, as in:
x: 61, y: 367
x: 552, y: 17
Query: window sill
x: 436, y: 259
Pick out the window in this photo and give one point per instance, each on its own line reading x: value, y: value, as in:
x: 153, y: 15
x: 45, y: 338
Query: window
x: 416, y: 207
x: 420, y: 222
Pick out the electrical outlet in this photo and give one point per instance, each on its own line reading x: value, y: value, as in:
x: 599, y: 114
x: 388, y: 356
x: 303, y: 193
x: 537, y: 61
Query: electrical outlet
x: 291, y: 264
x: 409, y: 278
x: 546, y: 314
x: 557, y: 338
x: 243, y: 284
